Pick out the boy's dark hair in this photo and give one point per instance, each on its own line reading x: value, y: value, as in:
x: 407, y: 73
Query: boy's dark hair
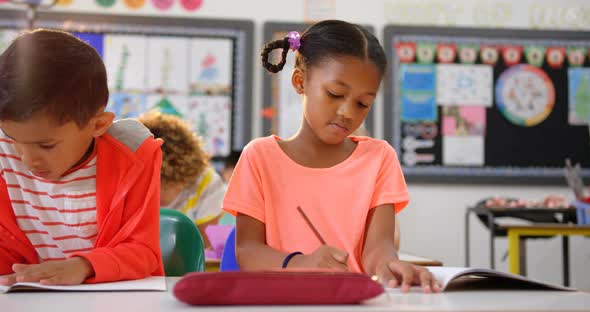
x: 329, y: 38
x: 54, y: 73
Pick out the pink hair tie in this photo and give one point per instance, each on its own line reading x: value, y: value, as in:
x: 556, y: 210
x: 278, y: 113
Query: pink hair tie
x: 294, y: 40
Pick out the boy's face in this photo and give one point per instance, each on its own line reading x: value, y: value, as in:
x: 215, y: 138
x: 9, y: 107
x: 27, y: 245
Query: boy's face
x: 47, y: 148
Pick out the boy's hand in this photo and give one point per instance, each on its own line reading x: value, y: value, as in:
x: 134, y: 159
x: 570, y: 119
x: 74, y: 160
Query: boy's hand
x: 72, y: 271
x: 325, y: 257
x: 396, y: 273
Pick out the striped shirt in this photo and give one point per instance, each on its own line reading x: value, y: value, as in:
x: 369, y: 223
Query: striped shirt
x: 58, y: 217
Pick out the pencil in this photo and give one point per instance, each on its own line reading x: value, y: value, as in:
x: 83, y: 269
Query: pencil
x: 315, y: 231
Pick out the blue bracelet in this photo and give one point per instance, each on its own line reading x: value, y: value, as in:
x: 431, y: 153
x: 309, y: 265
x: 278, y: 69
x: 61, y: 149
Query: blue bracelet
x: 289, y: 257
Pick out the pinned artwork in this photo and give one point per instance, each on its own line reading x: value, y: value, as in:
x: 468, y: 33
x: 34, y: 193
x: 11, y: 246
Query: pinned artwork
x: 511, y: 55
x: 425, y: 52
x: 210, y: 117
x: 468, y: 53
x: 464, y: 120
x: 125, y: 61
x: 127, y: 105
x: 489, y: 55
x: 426, y: 130
x: 406, y: 51
x: 211, y: 66
x: 525, y: 95
x: 172, y: 104
x: 463, y: 151
x: 579, y: 96
x: 576, y: 56
x: 418, y: 90
x: 464, y: 85
x: 534, y: 55
x: 168, y: 70
x: 555, y: 57
x: 446, y: 53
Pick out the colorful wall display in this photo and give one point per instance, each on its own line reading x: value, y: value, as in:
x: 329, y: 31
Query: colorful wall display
x: 197, y: 70
x: 487, y: 105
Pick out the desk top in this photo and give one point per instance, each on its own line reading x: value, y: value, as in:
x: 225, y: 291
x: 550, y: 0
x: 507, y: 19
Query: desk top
x: 544, y: 226
x: 490, y: 300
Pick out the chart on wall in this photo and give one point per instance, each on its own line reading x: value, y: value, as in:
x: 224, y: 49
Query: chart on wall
x: 197, y: 70
x: 485, y: 105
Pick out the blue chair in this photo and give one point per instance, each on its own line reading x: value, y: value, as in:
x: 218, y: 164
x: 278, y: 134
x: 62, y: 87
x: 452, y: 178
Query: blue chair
x: 228, y: 257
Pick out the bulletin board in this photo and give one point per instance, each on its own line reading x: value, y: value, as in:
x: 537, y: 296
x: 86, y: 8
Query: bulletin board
x: 483, y: 105
x: 198, y: 69
x: 282, y: 111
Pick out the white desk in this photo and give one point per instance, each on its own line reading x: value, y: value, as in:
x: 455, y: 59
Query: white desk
x: 414, y: 301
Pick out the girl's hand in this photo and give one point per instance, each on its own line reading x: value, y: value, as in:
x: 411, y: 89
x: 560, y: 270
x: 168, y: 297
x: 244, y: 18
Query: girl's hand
x: 72, y: 271
x: 396, y: 273
x: 325, y: 257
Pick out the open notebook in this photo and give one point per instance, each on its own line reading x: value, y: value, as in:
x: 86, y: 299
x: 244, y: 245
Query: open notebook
x: 154, y: 283
x: 456, y: 278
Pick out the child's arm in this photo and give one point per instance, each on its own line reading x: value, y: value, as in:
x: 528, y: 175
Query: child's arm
x: 253, y: 253
x: 380, y: 256
x: 134, y: 251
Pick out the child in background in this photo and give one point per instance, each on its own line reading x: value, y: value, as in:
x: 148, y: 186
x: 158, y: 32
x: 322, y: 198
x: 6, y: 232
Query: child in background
x: 349, y: 187
x: 79, y: 194
x: 229, y: 164
x: 188, y: 183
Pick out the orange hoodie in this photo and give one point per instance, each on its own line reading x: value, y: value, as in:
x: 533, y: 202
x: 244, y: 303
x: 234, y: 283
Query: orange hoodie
x: 127, y: 205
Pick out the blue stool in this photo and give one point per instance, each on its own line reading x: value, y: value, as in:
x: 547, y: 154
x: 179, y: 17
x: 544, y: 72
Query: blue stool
x: 228, y: 257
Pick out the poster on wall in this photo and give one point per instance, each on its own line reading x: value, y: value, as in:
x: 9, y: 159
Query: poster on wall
x: 125, y: 61
x: 127, y: 105
x: 525, y: 95
x: 210, y: 117
x: 418, y: 91
x: 464, y: 84
x: 167, y: 65
x: 579, y: 96
x: 211, y: 66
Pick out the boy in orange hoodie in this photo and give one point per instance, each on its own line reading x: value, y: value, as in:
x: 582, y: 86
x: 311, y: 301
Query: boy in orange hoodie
x: 79, y: 193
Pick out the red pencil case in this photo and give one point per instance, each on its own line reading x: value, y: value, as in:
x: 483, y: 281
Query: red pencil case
x: 275, y: 288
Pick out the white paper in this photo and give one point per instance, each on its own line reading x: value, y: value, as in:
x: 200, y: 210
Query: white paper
x: 211, y: 62
x: 464, y: 85
x: 445, y: 275
x: 463, y: 150
x: 290, y: 110
x: 125, y: 61
x: 155, y: 283
x: 167, y: 64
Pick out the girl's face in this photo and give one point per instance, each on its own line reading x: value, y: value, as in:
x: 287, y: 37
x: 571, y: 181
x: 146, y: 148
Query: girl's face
x: 337, y: 95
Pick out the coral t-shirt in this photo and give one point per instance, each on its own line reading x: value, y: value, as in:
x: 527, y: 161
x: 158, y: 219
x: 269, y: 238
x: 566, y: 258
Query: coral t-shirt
x: 269, y: 186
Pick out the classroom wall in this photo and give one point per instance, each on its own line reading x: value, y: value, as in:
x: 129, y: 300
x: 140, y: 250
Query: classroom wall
x: 433, y: 223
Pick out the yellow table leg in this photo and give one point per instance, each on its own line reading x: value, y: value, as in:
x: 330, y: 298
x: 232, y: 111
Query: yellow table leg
x: 514, y: 251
